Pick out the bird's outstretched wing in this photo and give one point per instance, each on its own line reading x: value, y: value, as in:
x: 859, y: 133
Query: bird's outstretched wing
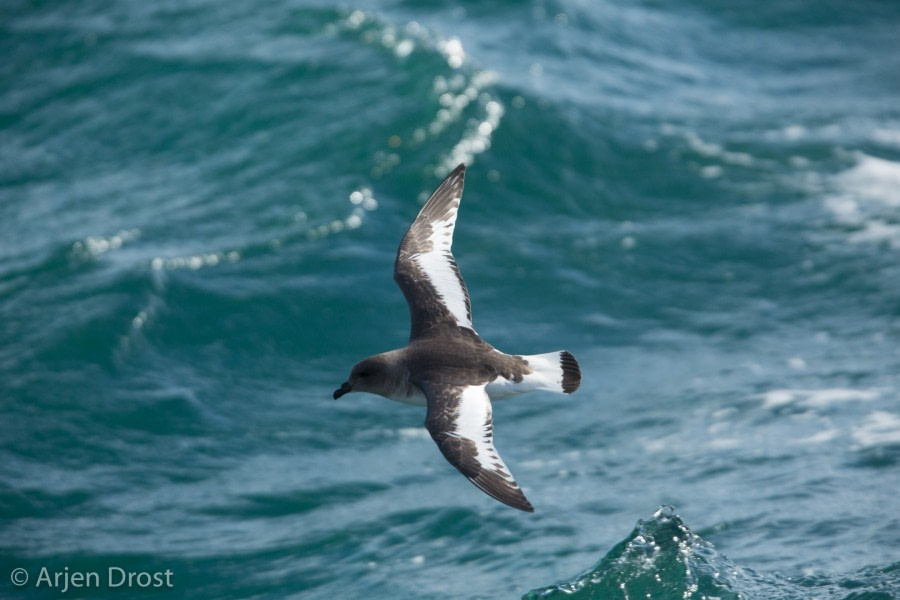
x: 425, y: 268
x: 459, y: 419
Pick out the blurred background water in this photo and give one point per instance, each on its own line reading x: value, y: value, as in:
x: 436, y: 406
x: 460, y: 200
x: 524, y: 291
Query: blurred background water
x: 200, y: 204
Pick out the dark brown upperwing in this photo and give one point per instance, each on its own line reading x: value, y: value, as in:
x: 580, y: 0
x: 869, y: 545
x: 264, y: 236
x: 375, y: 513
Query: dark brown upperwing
x: 425, y: 268
x: 460, y: 422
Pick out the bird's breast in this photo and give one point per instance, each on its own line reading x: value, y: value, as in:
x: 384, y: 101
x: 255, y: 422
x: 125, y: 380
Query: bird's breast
x: 407, y: 393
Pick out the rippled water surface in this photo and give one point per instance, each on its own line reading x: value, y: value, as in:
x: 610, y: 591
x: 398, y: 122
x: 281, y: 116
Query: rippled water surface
x: 200, y: 204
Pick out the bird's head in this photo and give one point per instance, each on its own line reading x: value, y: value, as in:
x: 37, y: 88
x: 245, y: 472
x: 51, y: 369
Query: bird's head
x: 368, y: 375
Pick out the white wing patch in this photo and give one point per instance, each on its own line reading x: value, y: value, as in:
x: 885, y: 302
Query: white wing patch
x: 439, y: 267
x: 460, y: 422
x: 475, y: 422
x: 425, y: 268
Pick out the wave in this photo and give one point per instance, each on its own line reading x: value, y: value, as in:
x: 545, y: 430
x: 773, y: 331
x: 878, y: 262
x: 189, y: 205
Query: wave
x: 663, y: 558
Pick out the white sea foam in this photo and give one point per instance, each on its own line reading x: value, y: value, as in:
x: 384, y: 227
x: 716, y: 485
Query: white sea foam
x: 459, y: 93
x: 817, y: 398
x: 880, y: 428
x: 878, y: 231
x: 821, y: 437
x: 873, y: 179
x: 413, y: 433
x: 887, y: 136
x: 866, y: 198
x: 710, y: 151
x: 92, y: 247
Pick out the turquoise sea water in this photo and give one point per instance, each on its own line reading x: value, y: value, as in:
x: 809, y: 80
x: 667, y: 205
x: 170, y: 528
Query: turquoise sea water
x: 200, y: 204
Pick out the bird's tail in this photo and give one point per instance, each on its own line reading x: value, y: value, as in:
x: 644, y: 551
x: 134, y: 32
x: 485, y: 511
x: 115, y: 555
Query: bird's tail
x: 553, y: 371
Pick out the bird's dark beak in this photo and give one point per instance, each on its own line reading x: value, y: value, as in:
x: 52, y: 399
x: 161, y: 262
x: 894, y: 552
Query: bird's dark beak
x: 345, y: 388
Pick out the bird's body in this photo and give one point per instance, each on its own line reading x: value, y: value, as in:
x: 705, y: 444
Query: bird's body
x: 446, y: 366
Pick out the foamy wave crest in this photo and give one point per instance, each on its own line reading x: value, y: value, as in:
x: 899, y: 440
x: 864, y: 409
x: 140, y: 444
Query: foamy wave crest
x: 866, y: 200
x: 663, y: 558
x: 460, y: 92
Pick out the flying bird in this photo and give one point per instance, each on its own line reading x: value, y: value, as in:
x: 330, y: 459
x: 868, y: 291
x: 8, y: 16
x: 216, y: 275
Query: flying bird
x: 446, y: 366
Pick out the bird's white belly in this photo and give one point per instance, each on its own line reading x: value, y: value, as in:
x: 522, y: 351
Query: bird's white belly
x: 408, y: 393
x: 501, y: 388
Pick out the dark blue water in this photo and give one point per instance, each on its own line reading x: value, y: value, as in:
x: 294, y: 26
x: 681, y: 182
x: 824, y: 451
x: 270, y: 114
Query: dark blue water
x: 200, y: 204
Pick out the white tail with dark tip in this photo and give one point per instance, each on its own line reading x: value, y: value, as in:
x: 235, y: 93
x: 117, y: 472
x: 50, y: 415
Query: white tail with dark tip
x: 552, y: 372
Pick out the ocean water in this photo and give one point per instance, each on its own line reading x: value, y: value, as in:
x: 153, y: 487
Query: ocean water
x: 200, y: 204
